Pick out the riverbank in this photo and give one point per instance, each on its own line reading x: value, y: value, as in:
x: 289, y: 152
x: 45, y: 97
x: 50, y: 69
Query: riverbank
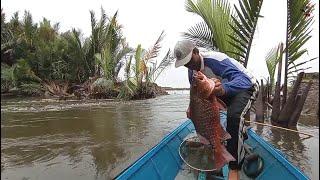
x: 92, y: 91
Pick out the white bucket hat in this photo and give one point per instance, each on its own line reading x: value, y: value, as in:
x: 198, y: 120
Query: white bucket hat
x: 183, y: 52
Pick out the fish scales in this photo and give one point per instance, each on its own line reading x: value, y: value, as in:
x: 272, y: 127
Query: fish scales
x: 204, y: 113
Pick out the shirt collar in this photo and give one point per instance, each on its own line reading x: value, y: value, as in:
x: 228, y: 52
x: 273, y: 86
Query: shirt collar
x: 202, y: 63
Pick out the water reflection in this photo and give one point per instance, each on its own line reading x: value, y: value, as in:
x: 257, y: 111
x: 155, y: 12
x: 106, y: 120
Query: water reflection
x: 294, y: 146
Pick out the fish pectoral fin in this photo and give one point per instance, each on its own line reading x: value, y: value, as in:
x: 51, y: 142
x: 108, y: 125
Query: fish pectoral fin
x: 224, y: 135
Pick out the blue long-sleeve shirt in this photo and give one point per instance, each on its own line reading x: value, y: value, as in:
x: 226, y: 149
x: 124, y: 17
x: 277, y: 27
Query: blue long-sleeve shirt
x: 235, y: 77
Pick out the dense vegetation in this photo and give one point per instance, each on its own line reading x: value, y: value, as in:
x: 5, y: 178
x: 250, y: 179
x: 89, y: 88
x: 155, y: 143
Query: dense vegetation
x: 38, y: 59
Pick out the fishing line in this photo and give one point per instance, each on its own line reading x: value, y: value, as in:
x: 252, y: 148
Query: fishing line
x: 264, y: 124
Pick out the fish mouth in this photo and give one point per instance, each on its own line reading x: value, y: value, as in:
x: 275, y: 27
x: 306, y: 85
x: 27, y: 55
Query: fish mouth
x: 203, y: 85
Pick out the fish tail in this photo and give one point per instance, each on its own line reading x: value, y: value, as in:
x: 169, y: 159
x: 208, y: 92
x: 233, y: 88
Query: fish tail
x: 222, y: 158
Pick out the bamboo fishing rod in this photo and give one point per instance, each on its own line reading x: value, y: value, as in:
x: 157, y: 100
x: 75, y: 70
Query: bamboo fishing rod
x: 264, y: 124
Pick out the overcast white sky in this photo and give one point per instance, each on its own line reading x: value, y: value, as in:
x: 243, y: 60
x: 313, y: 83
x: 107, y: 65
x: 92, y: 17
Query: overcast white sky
x: 143, y: 21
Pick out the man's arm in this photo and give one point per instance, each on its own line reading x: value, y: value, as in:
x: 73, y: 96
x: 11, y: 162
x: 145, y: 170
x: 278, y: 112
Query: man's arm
x: 233, y: 73
x: 236, y: 85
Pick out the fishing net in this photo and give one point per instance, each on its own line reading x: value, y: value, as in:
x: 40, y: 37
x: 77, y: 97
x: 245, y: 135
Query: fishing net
x: 197, y: 155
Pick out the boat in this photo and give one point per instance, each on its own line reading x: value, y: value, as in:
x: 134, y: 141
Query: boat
x: 163, y: 161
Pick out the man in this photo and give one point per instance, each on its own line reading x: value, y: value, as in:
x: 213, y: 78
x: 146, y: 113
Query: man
x: 234, y: 85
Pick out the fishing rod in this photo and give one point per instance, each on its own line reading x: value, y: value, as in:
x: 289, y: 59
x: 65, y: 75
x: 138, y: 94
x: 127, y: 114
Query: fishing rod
x: 264, y: 124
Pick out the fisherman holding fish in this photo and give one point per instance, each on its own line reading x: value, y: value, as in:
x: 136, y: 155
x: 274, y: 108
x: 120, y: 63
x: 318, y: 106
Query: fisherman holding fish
x: 213, y: 77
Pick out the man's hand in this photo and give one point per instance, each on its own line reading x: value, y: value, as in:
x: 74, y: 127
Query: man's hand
x: 218, y: 89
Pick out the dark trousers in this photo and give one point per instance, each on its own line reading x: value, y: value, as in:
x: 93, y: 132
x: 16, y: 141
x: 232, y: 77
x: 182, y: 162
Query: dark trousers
x: 238, y: 106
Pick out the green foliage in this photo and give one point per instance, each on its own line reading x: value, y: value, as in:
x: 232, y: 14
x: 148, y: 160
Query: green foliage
x: 114, y: 48
x: 243, y: 26
x: 138, y: 65
x: 272, y: 60
x: 37, y: 57
x: 129, y: 87
x: 216, y: 15
x: 7, y: 78
x: 22, y: 73
x: 141, y: 84
x: 299, y: 29
x: 20, y: 76
x: 223, y: 31
x: 75, y: 55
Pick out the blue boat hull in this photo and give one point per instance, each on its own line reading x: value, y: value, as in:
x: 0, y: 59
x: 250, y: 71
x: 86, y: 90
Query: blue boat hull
x: 163, y: 160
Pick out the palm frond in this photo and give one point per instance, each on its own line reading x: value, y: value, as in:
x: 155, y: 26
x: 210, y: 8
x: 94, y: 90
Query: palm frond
x: 128, y: 68
x: 165, y: 63
x: 216, y: 14
x: 201, y: 35
x: 296, y: 71
x: 154, y: 50
x: 272, y: 60
x: 299, y: 25
x: 244, y: 25
x: 300, y: 64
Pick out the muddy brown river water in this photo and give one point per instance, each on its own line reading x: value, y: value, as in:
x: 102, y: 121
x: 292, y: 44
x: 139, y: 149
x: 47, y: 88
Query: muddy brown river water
x: 48, y: 139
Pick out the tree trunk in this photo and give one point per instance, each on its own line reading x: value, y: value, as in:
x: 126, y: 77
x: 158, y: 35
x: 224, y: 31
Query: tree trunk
x: 301, y: 98
x: 260, y: 105
x: 290, y: 105
x: 276, y: 103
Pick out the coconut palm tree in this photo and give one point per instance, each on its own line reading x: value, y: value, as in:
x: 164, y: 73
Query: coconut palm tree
x: 113, y: 47
x: 76, y: 55
x: 98, y: 39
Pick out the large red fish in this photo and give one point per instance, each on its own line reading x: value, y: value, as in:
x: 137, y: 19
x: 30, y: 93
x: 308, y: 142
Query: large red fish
x: 204, y: 113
